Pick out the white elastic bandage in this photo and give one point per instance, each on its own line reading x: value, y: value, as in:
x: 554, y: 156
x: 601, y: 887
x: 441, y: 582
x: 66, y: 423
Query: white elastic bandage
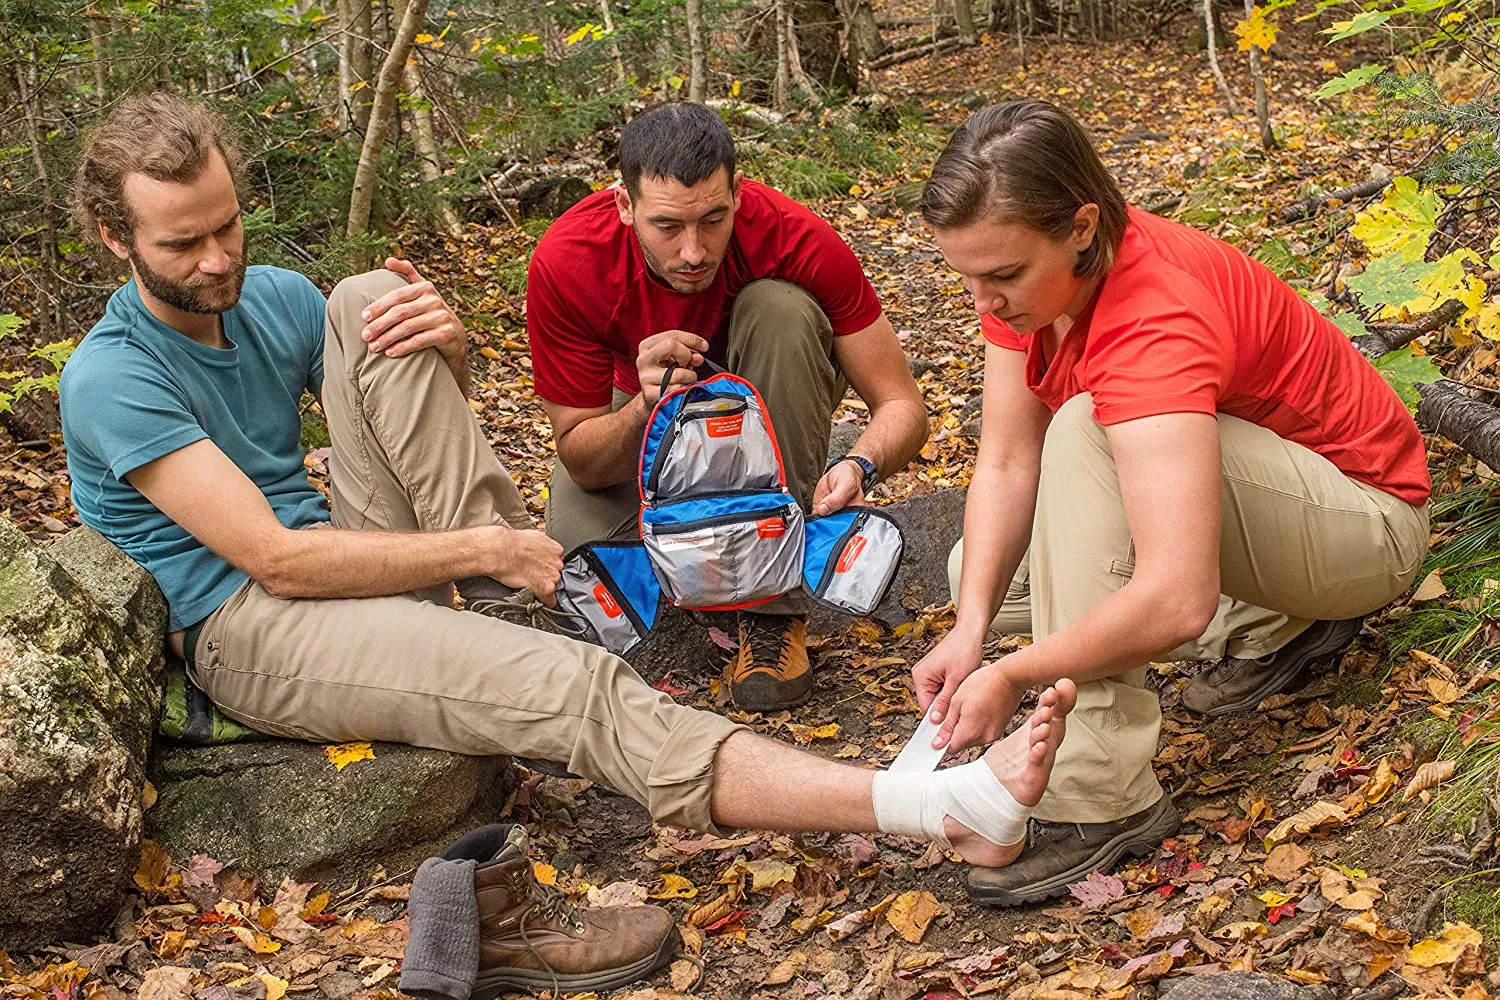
x: 912, y: 798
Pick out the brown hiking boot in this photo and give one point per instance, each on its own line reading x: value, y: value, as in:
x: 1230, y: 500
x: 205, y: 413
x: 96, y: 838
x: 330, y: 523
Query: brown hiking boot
x: 771, y: 670
x: 490, y: 597
x: 1235, y: 685
x: 530, y: 938
x: 1059, y: 854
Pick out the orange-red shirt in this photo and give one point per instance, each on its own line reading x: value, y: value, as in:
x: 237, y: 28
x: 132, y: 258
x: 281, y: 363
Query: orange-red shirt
x: 1185, y: 323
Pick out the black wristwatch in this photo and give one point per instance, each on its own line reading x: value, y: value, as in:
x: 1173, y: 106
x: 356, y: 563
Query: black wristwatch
x: 871, y: 475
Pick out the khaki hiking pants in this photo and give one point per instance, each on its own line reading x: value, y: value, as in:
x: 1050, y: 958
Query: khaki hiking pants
x: 781, y: 341
x: 408, y: 455
x: 1300, y: 542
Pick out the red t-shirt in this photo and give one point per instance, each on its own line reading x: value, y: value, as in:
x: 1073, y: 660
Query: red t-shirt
x: 1185, y: 323
x: 591, y: 299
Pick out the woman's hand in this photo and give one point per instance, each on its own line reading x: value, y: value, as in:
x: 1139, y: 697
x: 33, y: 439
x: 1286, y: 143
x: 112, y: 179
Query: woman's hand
x: 980, y: 710
x: 938, y: 674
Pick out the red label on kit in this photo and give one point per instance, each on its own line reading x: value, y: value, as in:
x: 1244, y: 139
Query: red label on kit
x: 607, y: 601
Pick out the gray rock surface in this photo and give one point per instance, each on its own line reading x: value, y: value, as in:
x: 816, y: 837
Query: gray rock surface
x: 80, y: 692
x: 281, y: 808
x: 1241, y: 986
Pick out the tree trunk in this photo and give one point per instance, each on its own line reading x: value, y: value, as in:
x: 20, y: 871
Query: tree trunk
x: 98, y: 32
x: 864, y: 33
x: 1020, y: 33
x: 548, y: 31
x: 963, y: 15
x: 357, y: 26
x: 1469, y: 423
x: 799, y: 77
x: 697, y: 56
x: 50, y: 314
x: 386, y: 87
x: 782, y: 88
x: 1262, y: 101
x: 1213, y: 56
x: 614, y: 43
x: 428, y: 158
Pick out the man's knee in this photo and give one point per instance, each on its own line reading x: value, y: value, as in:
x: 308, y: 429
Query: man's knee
x: 350, y: 297
x: 779, y: 306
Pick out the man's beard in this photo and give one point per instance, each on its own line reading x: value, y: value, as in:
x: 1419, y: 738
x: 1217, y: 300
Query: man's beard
x: 660, y: 270
x: 204, y: 297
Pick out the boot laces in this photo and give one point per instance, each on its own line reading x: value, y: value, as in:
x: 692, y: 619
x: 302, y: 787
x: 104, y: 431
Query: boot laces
x: 525, y: 608
x: 1035, y: 828
x: 765, y: 635
x: 551, y: 907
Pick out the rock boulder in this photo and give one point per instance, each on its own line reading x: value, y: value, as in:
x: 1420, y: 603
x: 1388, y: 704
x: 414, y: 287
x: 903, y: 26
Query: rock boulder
x: 281, y: 808
x: 1241, y: 986
x: 80, y: 691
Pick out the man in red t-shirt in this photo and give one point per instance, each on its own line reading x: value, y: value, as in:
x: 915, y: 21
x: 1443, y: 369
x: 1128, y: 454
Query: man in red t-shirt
x: 687, y: 262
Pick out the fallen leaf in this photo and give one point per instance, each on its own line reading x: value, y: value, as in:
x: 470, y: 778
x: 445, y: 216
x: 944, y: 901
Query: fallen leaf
x: 1429, y: 775
x: 683, y: 974
x: 167, y: 983
x: 1443, y: 691
x: 1431, y: 588
x: 255, y: 940
x: 1286, y: 862
x: 627, y: 893
x: 344, y: 754
x: 675, y: 887
x: 1446, y: 948
x: 912, y: 912
x: 1319, y: 817
x: 275, y: 986
x: 544, y: 873
x: 1097, y: 890
x: 806, y: 734
x: 767, y: 872
x: 200, y: 871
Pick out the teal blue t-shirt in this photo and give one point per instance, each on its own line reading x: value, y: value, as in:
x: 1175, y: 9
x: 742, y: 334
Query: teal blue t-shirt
x: 136, y: 390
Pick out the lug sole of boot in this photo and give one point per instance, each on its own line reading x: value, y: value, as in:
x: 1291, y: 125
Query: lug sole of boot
x: 1290, y: 677
x: 1137, y: 843
x: 489, y: 986
x: 766, y: 696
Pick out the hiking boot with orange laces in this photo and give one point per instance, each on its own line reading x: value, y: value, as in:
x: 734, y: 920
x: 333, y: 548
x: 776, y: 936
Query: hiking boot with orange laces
x: 531, y: 938
x: 771, y: 670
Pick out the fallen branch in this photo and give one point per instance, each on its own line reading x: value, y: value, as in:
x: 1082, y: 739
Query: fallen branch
x: 1309, y: 206
x: 1384, y: 338
x: 1472, y: 425
x: 934, y: 48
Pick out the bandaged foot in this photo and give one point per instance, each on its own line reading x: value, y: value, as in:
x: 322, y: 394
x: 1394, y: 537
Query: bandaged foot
x: 979, y: 809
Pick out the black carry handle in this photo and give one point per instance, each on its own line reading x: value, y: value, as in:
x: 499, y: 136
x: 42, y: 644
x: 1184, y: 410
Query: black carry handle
x: 672, y: 366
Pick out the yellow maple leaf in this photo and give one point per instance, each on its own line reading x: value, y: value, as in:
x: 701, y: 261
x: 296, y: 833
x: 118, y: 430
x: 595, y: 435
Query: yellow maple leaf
x: 1401, y: 222
x: 545, y: 873
x: 1446, y: 947
x: 1449, y: 280
x: 422, y: 39
x: 1486, y: 322
x: 344, y: 754
x: 675, y: 887
x: 1256, y: 31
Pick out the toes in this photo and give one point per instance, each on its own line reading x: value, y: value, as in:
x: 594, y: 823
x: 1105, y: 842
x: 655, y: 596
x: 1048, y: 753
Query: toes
x: 1040, y: 732
x: 1067, y: 696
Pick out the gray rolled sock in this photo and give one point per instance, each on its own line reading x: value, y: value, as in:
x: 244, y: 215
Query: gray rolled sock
x: 442, y: 954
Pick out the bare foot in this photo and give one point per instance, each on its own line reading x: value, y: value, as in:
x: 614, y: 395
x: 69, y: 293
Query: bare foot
x: 1023, y: 763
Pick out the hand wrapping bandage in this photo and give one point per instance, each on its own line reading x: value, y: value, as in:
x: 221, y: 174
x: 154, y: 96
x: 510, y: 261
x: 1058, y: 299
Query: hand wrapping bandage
x: 912, y: 797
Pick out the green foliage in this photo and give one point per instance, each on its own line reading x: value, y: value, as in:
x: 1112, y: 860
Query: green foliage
x: 1352, y: 80
x: 1405, y: 370
x: 18, y: 384
x: 821, y: 151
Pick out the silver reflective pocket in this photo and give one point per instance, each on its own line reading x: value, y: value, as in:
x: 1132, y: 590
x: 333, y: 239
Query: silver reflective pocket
x: 854, y: 572
x: 728, y: 561
x: 585, y: 592
x: 715, y: 444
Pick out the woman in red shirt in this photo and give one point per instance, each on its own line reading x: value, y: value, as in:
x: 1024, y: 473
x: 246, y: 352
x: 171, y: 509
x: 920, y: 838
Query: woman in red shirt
x: 1181, y: 459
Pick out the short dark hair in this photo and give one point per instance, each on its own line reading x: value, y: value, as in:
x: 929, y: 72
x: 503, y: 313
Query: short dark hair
x: 683, y: 140
x: 161, y: 135
x: 1028, y: 162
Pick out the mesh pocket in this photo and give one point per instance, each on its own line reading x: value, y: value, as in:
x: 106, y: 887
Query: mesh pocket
x: 725, y: 552
x: 851, y: 559
x: 717, y: 442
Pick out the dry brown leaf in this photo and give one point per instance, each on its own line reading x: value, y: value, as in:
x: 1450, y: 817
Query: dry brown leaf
x: 1443, y: 691
x: 1286, y: 862
x: 167, y: 983
x: 1319, y: 817
x: 1430, y: 588
x: 912, y: 913
x: 1429, y: 775
x: 1381, y: 784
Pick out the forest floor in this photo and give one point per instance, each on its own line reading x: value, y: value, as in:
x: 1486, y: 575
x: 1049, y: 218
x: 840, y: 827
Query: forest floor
x: 1319, y: 843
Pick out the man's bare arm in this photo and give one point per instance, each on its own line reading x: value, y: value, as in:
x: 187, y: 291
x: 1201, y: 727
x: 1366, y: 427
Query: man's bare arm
x: 876, y: 367
x: 601, y: 447
x: 203, y: 491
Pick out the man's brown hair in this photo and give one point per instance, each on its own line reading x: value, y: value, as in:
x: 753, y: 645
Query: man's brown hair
x: 160, y: 135
x: 1027, y: 162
